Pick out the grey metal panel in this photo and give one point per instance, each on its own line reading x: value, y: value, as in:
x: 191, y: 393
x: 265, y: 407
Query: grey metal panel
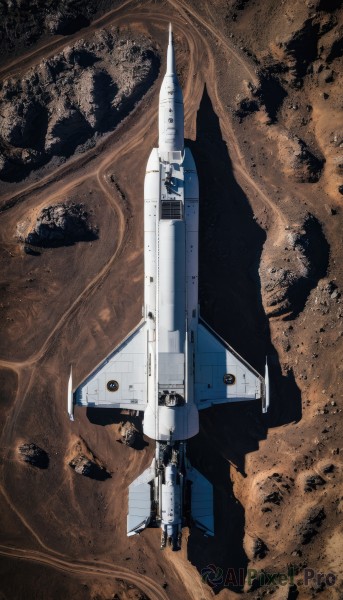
x: 213, y: 359
x: 127, y: 365
x: 139, y: 509
x: 201, y: 500
x: 171, y: 367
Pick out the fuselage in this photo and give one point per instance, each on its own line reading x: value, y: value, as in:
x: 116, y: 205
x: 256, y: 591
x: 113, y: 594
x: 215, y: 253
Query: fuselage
x: 171, y: 217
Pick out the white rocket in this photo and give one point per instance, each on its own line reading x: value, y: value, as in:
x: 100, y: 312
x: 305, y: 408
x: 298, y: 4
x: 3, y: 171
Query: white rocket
x: 173, y: 364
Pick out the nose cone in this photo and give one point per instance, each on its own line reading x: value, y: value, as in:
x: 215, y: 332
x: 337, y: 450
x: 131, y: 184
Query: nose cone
x: 170, y: 53
x: 171, y: 133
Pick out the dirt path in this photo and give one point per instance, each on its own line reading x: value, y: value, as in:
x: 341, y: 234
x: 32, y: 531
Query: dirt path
x: 98, y: 569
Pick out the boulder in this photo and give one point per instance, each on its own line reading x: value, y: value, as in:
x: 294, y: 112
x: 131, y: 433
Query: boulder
x: 89, y: 468
x: 312, y: 482
x: 34, y: 455
x: 59, y: 224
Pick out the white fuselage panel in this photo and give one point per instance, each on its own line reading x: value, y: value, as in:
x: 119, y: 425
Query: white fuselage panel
x: 171, y: 292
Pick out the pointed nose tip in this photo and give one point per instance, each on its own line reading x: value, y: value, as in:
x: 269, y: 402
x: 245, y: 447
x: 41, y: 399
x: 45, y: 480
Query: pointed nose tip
x: 170, y: 33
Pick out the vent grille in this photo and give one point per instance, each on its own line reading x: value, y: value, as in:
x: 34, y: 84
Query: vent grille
x: 171, y: 209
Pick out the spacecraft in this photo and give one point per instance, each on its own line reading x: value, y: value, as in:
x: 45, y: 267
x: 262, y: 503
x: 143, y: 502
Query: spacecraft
x: 172, y: 365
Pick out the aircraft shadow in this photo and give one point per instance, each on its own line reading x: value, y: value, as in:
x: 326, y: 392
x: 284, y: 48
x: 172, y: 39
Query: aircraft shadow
x: 230, y: 248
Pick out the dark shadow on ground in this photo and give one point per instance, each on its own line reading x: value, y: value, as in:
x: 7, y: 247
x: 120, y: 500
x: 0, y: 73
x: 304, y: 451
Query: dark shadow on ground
x: 230, y: 248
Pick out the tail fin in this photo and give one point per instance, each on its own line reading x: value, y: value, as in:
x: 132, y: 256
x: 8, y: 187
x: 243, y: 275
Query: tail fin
x: 70, y: 396
x: 140, y: 500
x: 201, y: 501
x: 266, y: 392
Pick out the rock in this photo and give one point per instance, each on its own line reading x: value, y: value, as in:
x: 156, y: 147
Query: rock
x: 245, y: 108
x: 65, y: 23
x: 274, y: 497
x: 309, y: 528
x: 260, y: 549
x: 298, y: 161
x: 317, y: 516
x: 59, y: 224
x: 89, y: 468
x: 307, y: 36
x: 335, y: 295
x: 35, y: 456
x: 329, y: 468
x: 286, y: 287
x: 273, y: 490
x: 312, y: 482
x: 129, y: 434
x: 31, y: 251
x: 308, y: 534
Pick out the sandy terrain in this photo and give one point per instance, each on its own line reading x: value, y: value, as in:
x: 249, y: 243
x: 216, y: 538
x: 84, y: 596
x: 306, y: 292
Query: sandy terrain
x: 270, y: 283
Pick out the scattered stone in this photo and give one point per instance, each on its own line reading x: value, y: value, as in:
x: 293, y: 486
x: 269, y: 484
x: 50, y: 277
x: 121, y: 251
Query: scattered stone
x: 35, y: 456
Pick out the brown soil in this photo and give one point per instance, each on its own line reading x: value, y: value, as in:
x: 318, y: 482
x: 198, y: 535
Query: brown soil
x: 64, y: 535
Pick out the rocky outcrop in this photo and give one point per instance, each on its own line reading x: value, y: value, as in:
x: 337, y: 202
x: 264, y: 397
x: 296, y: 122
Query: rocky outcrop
x: 327, y: 295
x: 299, y: 163
x: 24, y: 22
x: 34, y: 455
x: 84, y: 462
x: 288, y: 275
x: 273, y: 490
x: 309, y: 528
x: 60, y: 105
x: 260, y: 549
x: 66, y: 22
x: 312, y: 482
x: 129, y: 434
x: 59, y: 224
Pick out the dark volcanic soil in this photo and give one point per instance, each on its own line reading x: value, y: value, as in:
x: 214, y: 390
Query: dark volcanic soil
x: 261, y: 84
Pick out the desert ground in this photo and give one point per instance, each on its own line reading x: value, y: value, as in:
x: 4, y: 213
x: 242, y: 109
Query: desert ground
x: 262, y: 86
